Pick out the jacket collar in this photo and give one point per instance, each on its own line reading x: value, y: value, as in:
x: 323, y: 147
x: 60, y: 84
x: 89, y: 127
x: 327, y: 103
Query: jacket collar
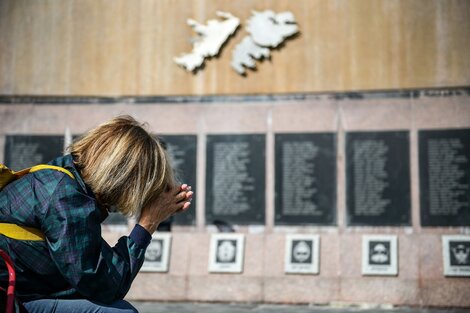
x: 66, y: 162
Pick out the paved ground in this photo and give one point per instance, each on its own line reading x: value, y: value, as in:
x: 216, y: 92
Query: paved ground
x: 157, y: 307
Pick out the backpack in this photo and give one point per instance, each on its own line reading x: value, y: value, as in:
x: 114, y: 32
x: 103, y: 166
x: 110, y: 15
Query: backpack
x: 8, y: 300
x: 19, y: 232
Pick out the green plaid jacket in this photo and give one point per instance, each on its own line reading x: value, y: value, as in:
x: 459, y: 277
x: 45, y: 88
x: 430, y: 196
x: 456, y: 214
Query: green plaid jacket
x: 74, y: 261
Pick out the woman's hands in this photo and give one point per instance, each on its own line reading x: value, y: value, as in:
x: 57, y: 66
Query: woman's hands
x: 175, y: 200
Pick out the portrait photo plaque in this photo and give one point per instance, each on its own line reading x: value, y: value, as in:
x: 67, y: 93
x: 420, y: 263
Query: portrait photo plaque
x: 157, y: 256
x: 23, y: 151
x: 302, y: 254
x: 378, y: 178
x: 380, y: 255
x: 182, y: 150
x: 456, y: 250
x: 305, y: 179
x: 235, y: 179
x: 444, y: 177
x: 226, y: 253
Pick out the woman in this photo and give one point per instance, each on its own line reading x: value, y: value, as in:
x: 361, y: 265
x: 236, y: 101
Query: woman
x: 116, y: 166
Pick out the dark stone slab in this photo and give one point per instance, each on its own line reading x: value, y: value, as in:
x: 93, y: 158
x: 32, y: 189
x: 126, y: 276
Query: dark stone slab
x: 444, y: 175
x: 22, y: 151
x: 341, y: 96
x: 378, y: 178
x: 235, y: 179
x: 305, y: 183
x: 183, y: 153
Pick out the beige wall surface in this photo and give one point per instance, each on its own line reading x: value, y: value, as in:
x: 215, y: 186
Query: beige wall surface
x: 99, y: 47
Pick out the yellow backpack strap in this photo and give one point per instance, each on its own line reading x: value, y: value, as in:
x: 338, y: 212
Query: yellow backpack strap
x: 23, y: 232
x: 6, y: 176
x: 50, y: 167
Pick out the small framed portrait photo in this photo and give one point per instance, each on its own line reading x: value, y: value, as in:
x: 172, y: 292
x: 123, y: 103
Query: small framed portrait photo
x: 157, y: 256
x: 456, y: 250
x: 380, y: 255
x: 302, y: 254
x: 226, y: 253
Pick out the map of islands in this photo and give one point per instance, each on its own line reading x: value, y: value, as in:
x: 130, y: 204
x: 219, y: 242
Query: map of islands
x: 267, y: 30
x: 210, y: 39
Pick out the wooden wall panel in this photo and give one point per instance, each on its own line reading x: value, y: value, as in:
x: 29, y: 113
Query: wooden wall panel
x: 121, y: 47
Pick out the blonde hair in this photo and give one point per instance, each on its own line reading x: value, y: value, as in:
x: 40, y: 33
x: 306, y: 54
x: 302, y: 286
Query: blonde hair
x: 123, y: 164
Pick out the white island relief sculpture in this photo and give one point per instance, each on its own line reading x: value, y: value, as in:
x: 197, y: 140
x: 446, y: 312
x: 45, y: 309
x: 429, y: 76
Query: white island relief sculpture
x: 267, y: 30
x: 210, y: 39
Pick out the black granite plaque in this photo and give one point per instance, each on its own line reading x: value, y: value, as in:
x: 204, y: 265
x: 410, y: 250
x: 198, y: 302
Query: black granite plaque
x: 235, y: 179
x: 22, y: 151
x: 183, y: 151
x: 305, y: 184
x: 444, y: 175
x: 378, y: 178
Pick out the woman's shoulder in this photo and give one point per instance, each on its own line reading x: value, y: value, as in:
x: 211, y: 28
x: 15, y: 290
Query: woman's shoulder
x: 65, y: 170
x: 31, y: 193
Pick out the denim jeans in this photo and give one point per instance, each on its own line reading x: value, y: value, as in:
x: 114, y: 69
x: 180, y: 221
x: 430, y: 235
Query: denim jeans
x: 77, y: 306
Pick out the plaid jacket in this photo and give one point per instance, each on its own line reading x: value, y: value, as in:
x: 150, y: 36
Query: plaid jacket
x: 74, y: 261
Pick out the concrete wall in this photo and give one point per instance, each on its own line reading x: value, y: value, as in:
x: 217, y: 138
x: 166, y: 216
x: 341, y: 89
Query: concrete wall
x: 99, y: 47
x: 420, y: 281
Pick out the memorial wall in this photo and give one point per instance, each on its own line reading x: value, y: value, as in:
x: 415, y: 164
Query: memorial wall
x: 336, y: 171
x: 303, y: 198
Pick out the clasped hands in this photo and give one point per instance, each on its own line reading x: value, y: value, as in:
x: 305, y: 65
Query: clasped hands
x: 174, y: 200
